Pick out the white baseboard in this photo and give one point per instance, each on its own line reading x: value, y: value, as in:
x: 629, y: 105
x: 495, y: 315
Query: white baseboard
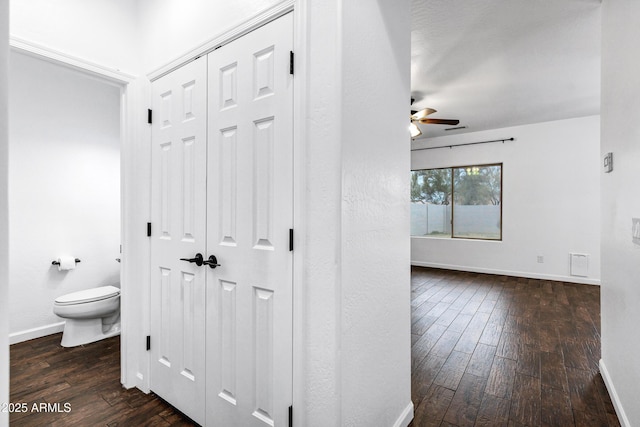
x: 622, y: 416
x: 30, y: 334
x: 525, y: 274
x: 405, y: 418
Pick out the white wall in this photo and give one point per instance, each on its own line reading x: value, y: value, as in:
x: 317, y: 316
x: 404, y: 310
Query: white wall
x: 64, y: 188
x: 620, y: 203
x: 550, y: 205
x: 375, y: 273
x: 104, y: 32
x: 170, y: 28
x: 4, y: 211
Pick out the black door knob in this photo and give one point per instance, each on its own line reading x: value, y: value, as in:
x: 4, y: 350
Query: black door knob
x: 212, y: 261
x: 199, y: 259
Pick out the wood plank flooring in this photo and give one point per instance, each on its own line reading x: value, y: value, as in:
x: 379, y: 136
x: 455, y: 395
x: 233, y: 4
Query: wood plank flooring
x: 85, y: 377
x: 502, y: 351
x: 486, y: 351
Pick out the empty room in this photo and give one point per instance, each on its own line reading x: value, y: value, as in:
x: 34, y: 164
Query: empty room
x: 298, y: 213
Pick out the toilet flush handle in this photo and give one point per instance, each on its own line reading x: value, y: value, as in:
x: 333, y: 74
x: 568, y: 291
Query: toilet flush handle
x: 199, y: 259
x: 212, y: 262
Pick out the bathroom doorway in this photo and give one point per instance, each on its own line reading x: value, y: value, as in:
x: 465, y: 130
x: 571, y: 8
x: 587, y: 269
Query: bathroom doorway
x: 65, y: 144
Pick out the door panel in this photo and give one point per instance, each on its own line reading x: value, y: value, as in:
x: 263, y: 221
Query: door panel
x: 179, y: 216
x: 250, y: 212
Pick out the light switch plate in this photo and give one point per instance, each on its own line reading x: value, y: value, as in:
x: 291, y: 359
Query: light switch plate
x: 608, y: 163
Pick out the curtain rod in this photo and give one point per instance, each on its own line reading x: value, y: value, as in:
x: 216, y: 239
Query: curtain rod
x: 468, y: 143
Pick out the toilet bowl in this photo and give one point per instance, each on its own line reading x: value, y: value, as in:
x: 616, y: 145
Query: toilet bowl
x: 90, y: 315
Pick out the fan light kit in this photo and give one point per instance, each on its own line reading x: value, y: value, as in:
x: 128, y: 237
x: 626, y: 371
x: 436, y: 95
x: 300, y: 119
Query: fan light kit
x: 415, y: 130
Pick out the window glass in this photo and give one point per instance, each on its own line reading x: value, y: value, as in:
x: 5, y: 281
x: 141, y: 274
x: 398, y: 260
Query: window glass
x: 477, y: 198
x: 431, y: 203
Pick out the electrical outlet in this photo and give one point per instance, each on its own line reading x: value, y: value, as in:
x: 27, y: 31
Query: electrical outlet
x: 540, y: 259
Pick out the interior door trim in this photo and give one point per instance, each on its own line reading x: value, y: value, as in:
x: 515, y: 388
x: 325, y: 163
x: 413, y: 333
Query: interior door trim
x: 107, y: 74
x: 258, y: 20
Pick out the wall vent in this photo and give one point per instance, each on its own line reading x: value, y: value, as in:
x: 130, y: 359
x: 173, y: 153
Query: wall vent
x: 579, y: 264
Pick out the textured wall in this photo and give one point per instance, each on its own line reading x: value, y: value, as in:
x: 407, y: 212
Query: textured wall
x: 353, y: 318
x: 375, y: 282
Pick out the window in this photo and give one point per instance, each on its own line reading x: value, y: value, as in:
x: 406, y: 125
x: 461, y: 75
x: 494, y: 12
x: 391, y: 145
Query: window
x: 459, y: 202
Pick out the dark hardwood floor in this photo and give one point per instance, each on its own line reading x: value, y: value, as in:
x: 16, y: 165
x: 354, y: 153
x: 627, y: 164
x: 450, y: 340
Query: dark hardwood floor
x: 486, y: 351
x: 87, y: 378
x: 502, y: 351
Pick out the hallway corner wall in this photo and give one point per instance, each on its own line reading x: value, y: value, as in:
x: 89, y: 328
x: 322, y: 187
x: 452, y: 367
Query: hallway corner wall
x: 353, y: 318
x: 375, y: 257
x: 4, y: 210
x: 620, y: 207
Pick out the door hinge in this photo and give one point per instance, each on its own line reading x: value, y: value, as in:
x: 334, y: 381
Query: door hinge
x: 290, y: 239
x: 148, y: 229
x: 149, y: 116
x: 291, y: 62
x: 290, y: 416
x: 148, y: 342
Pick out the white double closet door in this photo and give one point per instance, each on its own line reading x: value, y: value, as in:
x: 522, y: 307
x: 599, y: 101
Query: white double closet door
x: 222, y: 185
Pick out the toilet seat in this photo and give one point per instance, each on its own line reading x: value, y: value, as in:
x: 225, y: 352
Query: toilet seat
x: 88, y: 295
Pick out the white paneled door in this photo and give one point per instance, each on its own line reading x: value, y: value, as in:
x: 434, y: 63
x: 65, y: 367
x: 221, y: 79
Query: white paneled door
x: 249, y: 214
x: 179, y: 171
x: 223, y: 186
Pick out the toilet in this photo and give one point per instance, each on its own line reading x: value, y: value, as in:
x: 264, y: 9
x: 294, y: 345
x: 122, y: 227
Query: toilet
x: 91, y: 315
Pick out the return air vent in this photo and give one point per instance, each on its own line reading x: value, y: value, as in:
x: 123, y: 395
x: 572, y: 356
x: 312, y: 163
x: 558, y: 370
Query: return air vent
x: 579, y: 264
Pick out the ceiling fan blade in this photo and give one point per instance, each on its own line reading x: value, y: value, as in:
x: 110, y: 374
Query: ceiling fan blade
x: 419, y: 115
x: 439, y: 122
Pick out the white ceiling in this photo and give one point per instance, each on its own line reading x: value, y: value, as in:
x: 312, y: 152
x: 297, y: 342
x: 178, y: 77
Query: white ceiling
x: 499, y: 63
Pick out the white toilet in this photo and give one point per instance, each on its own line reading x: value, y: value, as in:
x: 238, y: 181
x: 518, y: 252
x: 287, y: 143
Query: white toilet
x: 91, y: 315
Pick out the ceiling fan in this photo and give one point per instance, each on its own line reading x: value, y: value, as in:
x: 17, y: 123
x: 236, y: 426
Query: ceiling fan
x: 421, y: 117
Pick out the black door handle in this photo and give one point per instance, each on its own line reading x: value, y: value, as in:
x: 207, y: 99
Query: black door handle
x: 199, y: 260
x: 212, y: 261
